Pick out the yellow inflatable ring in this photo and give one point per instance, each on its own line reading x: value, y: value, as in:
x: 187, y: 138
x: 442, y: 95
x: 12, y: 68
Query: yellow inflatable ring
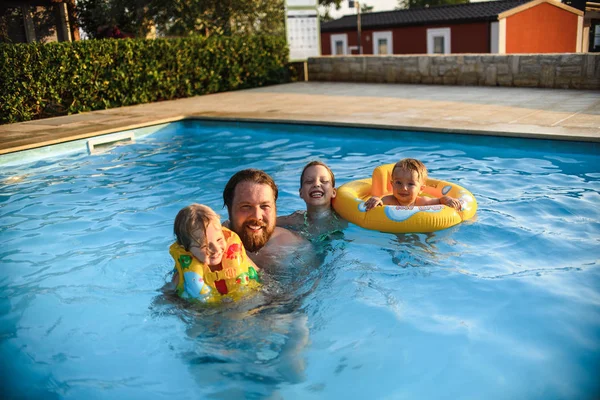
x: 349, y: 203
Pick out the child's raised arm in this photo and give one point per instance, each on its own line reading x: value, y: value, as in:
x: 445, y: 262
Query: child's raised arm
x: 373, y: 202
x: 451, y: 202
x: 444, y: 200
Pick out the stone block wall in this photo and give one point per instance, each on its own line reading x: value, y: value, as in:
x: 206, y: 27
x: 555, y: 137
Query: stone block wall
x: 564, y: 71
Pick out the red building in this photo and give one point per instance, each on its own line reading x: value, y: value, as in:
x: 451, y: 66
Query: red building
x: 502, y: 27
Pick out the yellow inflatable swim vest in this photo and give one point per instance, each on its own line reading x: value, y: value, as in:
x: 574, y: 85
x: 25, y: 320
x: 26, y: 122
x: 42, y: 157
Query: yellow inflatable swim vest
x: 198, y: 282
x: 349, y: 203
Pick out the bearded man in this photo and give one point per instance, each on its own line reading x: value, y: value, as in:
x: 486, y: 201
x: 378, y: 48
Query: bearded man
x: 250, y: 197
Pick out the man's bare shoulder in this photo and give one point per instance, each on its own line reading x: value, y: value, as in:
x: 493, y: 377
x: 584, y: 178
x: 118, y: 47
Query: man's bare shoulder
x: 285, y: 237
x: 294, y: 219
x: 280, y: 246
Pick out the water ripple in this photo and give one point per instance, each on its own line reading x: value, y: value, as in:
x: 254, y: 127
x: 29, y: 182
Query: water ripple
x: 84, y: 244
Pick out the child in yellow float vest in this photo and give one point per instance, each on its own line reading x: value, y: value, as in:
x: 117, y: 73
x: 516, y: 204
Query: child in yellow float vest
x: 210, y: 260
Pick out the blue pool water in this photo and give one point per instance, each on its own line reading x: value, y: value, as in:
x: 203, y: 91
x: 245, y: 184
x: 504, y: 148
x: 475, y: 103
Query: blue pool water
x: 504, y: 306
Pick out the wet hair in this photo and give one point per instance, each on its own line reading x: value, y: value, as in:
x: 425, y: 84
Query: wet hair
x: 410, y: 164
x: 190, y: 218
x: 313, y: 163
x: 247, y: 175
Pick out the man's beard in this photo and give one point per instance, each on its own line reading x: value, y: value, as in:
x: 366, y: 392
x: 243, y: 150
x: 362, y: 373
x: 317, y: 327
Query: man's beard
x: 254, y: 241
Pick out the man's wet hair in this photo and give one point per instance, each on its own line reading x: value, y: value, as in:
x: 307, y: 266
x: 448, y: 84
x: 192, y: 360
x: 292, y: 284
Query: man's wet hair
x: 247, y: 175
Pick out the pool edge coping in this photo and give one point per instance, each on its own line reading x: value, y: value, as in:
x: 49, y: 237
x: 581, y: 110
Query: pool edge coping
x: 313, y: 122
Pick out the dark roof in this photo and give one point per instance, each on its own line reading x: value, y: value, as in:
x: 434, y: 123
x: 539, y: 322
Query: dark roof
x: 470, y: 12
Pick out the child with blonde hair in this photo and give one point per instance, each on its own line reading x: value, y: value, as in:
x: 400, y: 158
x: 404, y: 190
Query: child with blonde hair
x: 409, y: 177
x: 210, y: 260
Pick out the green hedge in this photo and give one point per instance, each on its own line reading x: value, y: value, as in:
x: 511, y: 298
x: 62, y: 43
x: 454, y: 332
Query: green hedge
x: 45, y: 80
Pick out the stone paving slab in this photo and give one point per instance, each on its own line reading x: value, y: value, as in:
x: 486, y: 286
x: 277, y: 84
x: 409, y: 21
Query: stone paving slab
x: 517, y: 112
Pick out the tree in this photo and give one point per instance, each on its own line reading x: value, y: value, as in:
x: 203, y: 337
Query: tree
x: 365, y: 8
x: 325, y: 16
x: 326, y: 6
x: 97, y: 17
x: 408, y: 4
x: 328, y: 3
x: 187, y: 17
x: 42, y: 18
x: 184, y: 17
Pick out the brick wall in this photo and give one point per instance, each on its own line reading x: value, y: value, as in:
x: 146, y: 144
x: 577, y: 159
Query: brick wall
x: 564, y: 71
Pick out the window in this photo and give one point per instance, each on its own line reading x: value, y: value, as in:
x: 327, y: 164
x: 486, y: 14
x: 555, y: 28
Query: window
x: 382, y: 46
x: 438, y: 41
x: 339, y: 44
x: 438, y: 45
x: 382, y: 43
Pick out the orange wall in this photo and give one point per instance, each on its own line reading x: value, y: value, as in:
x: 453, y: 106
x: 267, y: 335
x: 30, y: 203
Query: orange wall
x: 541, y: 29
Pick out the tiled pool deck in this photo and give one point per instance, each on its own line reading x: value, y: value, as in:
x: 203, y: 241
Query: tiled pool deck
x: 521, y: 112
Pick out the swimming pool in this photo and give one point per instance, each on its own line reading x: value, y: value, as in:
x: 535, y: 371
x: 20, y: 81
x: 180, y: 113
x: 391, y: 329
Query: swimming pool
x: 504, y: 306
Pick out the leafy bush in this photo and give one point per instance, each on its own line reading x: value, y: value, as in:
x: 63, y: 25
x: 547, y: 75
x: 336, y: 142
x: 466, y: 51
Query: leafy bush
x: 45, y: 80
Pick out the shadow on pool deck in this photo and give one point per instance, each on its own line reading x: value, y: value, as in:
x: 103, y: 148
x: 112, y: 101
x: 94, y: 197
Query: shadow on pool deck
x: 520, y: 112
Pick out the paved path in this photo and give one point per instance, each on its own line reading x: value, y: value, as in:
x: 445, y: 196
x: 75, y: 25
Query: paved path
x: 540, y: 113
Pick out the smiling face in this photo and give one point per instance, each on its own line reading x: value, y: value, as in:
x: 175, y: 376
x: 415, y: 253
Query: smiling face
x: 208, y: 248
x: 317, y: 186
x: 253, y: 213
x: 406, y: 186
